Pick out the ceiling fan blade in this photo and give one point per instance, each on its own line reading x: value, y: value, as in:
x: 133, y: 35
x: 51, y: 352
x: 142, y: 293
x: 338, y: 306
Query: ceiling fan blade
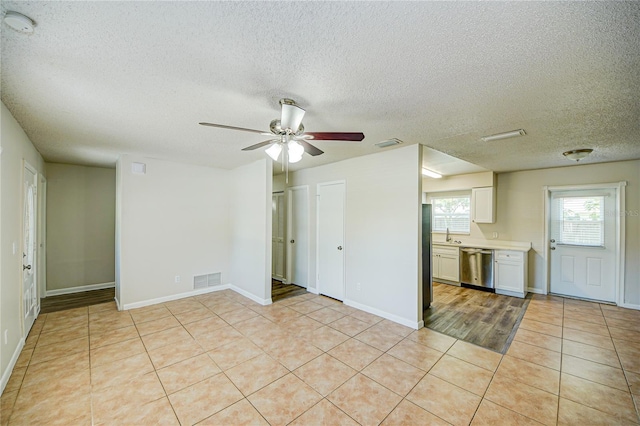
x: 310, y: 149
x: 222, y: 126
x: 259, y: 145
x: 336, y: 136
x: 291, y: 116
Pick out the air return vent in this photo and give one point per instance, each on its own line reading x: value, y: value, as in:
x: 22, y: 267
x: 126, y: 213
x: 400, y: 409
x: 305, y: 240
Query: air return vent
x: 388, y: 142
x: 208, y: 280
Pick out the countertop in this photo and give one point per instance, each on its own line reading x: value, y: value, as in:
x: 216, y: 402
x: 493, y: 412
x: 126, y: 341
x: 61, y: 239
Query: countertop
x: 486, y: 244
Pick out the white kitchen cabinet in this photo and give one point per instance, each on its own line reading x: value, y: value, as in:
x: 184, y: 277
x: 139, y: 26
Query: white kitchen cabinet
x: 446, y: 263
x: 510, y: 273
x: 483, y: 205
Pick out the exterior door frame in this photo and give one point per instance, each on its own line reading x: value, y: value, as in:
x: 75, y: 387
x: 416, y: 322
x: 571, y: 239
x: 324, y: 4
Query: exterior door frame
x: 344, y: 230
x: 289, y: 197
x: 619, y: 214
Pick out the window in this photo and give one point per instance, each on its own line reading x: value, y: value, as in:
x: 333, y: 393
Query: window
x: 453, y: 212
x: 580, y: 221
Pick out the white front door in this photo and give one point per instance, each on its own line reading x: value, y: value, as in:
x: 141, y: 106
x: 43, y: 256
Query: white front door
x: 331, y: 239
x: 298, y: 236
x: 277, y: 236
x: 30, y: 300
x: 583, y: 243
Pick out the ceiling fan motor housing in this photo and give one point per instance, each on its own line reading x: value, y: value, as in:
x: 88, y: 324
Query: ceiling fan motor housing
x: 277, y: 129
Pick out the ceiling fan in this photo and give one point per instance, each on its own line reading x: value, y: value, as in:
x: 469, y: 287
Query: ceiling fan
x: 288, y: 132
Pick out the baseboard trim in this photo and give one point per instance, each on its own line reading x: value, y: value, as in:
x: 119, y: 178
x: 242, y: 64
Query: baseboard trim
x: 79, y: 289
x: 169, y: 298
x: 391, y: 317
x: 535, y: 290
x: 630, y: 306
x: 313, y: 290
x: 12, y: 363
x: 117, y: 303
x: 248, y: 295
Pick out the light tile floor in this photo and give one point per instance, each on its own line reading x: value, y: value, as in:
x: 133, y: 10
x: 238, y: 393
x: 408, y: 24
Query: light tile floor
x: 221, y: 359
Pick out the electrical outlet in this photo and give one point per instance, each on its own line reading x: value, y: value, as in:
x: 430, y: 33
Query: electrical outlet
x: 358, y: 287
x: 495, y: 235
x: 6, y: 336
x: 176, y: 279
x: 14, y: 247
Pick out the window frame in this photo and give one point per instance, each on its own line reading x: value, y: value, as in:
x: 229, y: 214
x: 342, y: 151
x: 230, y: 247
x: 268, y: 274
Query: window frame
x: 432, y: 198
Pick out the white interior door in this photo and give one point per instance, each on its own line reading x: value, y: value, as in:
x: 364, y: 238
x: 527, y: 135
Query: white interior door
x: 277, y: 236
x: 30, y: 300
x: 331, y: 239
x: 583, y: 243
x: 298, y: 236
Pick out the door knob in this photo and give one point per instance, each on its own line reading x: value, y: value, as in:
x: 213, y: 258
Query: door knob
x: 339, y: 247
x: 292, y: 241
x: 26, y: 267
x: 553, y: 241
x: 552, y: 248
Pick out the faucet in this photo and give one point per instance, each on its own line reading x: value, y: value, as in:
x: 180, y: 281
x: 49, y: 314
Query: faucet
x: 447, y: 237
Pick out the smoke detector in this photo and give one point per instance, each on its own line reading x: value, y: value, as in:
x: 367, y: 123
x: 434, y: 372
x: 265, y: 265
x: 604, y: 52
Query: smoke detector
x: 19, y: 22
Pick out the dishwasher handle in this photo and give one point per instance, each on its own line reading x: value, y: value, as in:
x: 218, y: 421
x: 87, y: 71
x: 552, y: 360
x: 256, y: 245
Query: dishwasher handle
x: 476, y: 251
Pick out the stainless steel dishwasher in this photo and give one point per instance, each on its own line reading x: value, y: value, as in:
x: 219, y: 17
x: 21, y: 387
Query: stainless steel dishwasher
x: 476, y: 267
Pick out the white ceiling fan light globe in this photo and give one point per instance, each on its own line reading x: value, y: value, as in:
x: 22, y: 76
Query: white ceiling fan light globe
x: 274, y: 151
x: 295, y: 151
x: 291, y: 117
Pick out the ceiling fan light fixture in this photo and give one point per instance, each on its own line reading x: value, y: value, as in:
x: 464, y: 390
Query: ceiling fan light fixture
x: 294, y: 151
x: 504, y: 135
x: 431, y: 174
x: 577, y: 154
x: 292, y: 115
x: 274, y: 151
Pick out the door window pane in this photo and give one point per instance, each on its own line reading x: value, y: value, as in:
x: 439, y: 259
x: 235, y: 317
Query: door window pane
x: 579, y: 221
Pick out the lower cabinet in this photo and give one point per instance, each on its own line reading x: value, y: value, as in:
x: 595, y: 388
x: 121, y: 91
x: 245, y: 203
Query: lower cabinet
x: 510, y: 273
x: 446, y: 263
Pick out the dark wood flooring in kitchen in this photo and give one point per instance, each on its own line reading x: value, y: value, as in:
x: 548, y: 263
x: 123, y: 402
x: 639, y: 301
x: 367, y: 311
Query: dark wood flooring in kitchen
x: 281, y: 291
x: 76, y: 300
x: 479, y: 317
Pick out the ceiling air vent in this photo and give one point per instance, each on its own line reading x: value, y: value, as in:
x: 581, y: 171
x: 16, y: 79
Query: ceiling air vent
x: 388, y: 142
x: 208, y: 280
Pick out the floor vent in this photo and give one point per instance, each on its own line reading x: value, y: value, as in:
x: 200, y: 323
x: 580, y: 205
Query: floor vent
x: 209, y: 280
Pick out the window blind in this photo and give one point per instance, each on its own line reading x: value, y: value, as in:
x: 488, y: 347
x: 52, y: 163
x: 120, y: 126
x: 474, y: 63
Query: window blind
x: 451, y: 212
x: 579, y: 221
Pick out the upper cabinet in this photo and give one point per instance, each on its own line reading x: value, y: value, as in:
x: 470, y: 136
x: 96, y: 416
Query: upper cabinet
x: 483, y: 204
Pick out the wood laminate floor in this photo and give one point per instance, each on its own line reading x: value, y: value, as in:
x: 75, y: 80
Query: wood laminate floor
x: 281, y: 291
x: 76, y: 300
x: 486, y: 319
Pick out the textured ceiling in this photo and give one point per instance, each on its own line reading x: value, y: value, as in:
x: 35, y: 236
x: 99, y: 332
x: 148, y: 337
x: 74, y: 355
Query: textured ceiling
x: 97, y: 79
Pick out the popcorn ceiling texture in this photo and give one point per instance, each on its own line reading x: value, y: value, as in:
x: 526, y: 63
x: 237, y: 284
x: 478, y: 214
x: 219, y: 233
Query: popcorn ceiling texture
x: 98, y: 79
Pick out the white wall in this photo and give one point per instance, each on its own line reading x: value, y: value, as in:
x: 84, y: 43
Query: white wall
x: 80, y: 225
x: 251, y: 230
x: 16, y: 147
x: 382, y: 229
x: 520, y: 214
x: 173, y: 220
x: 458, y: 182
